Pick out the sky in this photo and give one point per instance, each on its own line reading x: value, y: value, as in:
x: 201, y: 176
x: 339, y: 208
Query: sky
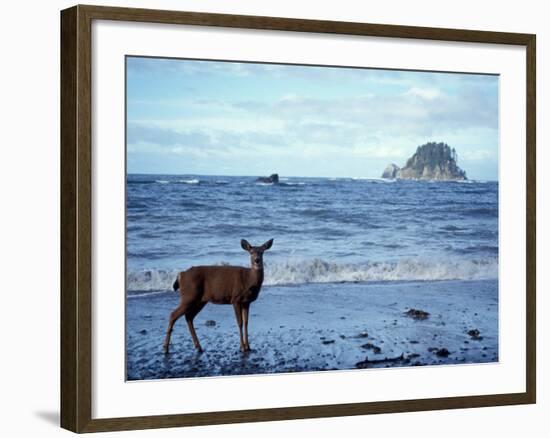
x: 231, y: 118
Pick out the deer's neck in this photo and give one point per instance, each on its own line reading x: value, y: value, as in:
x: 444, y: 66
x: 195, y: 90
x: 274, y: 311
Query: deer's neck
x: 256, y: 277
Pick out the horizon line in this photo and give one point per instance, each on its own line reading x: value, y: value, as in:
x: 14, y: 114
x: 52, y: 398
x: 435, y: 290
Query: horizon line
x: 284, y: 176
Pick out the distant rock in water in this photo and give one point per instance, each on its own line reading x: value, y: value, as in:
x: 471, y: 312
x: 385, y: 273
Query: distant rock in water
x: 391, y: 171
x: 432, y: 161
x: 271, y: 179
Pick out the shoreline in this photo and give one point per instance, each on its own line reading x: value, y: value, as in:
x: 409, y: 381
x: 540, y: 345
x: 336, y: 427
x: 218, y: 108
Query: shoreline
x: 320, y: 327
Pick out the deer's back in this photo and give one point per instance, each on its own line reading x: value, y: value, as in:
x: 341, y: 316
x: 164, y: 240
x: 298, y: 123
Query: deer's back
x: 220, y: 284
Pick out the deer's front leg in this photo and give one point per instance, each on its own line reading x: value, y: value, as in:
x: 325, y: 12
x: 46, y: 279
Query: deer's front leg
x: 238, y: 314
x: 246, y: 306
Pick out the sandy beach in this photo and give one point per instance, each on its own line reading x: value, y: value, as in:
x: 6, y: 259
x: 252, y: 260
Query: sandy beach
x: 317, y: 327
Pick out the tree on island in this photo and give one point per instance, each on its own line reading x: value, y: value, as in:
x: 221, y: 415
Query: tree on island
x: 432, y: 161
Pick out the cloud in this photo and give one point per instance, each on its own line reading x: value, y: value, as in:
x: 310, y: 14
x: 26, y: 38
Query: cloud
x: 298, y: 113
x: 201, y: 68
x: 424, y: 93
x: 367, y: 126
x: 138, y: 133
x: 418, y: 112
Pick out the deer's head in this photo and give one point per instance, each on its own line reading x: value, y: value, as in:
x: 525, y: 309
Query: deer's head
x: 256, y: 253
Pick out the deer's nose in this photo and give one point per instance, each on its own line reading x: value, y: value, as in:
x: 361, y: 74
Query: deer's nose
x: 257, y: 260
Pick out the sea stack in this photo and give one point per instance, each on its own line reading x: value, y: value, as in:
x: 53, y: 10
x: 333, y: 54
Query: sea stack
x: 271, y: 179
x: 431, y: 161
x: 391, y: 171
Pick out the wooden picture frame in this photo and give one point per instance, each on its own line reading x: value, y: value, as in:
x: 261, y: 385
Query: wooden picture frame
x: 76, y: 217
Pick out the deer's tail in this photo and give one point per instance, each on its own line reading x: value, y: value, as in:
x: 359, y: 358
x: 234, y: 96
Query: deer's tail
x: 180, y: 279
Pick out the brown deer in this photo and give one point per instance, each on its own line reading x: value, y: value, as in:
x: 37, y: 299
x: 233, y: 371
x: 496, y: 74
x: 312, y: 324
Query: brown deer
x: 219, y: 285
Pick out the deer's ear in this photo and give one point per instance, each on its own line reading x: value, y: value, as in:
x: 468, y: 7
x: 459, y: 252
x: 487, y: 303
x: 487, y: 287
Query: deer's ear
x: 267, y: 244
x: 245, y: 245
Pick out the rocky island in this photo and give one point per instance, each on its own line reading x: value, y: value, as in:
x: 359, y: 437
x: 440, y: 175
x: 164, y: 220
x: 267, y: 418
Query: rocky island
x: 431, y: 161
x: 271, y: 179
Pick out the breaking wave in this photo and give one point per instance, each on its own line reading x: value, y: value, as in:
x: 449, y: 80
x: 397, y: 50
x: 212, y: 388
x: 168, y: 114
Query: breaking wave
x: 296, y: 272
x: 189, y: 181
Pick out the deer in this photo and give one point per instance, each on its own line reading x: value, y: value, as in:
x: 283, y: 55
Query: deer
x: 234, y: 285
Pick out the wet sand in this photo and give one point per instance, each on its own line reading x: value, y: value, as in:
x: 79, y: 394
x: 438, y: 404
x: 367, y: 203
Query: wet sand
x: 316, y: 327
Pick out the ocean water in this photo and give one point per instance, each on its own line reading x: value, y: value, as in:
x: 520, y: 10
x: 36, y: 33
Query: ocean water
x: 325, y: 230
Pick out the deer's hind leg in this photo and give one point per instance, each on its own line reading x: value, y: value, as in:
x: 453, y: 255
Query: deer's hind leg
x: 174, y: 316
x: 194, y: 309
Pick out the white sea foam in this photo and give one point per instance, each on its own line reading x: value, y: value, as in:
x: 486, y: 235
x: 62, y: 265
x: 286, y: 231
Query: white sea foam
x: 295, y: 272
x: 162, y: 181
x: 134, y: 294
x: 150, y: 280
x: 373, y: 180
x: 321, y: 271
x: 189, y: 181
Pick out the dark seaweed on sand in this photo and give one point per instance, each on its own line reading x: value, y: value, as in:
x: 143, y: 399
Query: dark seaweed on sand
x: 417, y: 314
